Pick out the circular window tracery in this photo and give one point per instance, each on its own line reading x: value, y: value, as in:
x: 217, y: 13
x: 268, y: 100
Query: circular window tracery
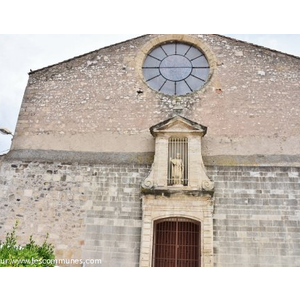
x: 176, y: 69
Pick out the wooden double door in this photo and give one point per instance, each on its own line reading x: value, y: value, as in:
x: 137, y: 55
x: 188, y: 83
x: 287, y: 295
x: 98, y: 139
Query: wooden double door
x: 176, y: 243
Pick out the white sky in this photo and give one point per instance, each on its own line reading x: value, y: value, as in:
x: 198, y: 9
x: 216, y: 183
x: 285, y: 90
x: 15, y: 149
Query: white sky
x: 20, y: 53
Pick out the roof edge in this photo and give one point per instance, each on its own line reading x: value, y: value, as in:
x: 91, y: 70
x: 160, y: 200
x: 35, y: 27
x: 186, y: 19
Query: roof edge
x: 82, y: 55
x: 219, y: 35
x: 257, y: 46
x: 190, y: 122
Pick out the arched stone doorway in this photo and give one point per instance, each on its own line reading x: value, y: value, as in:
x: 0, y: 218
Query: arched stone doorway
x: 176, y: 243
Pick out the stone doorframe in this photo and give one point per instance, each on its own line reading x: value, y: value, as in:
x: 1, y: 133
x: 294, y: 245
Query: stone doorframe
x: 199, y: 208
x: 191, y: 199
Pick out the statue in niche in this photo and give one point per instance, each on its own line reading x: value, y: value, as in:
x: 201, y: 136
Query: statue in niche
x: 177, y: 168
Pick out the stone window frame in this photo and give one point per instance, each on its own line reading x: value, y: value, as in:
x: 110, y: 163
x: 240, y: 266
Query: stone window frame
x: 180, y: 38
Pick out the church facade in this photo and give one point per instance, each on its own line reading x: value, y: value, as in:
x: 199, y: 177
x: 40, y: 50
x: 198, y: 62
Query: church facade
x: 161, y: 151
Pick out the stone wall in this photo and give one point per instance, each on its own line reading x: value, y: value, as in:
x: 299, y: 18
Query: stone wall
x: 90, y: 211
x: 94, y: 211
x: 257, y: 216
x: 99, y: 101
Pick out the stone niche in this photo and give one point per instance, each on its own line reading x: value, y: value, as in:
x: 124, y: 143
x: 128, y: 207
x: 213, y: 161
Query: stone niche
x: 177, y: 186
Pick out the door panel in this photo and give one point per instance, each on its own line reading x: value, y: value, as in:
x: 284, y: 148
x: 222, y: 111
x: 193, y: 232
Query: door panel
x: 176, y: 243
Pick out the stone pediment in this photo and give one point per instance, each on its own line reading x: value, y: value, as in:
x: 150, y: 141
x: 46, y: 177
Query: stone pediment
x: 178, y: 124
x: 178, y: 164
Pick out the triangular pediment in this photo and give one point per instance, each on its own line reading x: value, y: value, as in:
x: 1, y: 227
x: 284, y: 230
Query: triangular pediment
x: 178, y: 124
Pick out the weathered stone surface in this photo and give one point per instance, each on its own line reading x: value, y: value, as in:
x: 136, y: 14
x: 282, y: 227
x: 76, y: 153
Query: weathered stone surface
x: 84, y: 208
x: 257, y: 216
x: 96, y: 212
x: 92, y: 103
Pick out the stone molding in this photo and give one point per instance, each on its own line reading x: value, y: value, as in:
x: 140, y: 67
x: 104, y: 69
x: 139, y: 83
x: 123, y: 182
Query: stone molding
x: 178, y: 126
x: 142, y: 158
x: 196, y: 208
x: 193, y: 201
x: 189, y: 39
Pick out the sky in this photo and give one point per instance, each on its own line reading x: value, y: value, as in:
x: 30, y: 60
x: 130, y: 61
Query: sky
x: 20, y: 53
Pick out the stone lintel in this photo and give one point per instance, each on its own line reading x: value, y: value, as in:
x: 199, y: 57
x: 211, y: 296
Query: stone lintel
x: 174, y: 192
